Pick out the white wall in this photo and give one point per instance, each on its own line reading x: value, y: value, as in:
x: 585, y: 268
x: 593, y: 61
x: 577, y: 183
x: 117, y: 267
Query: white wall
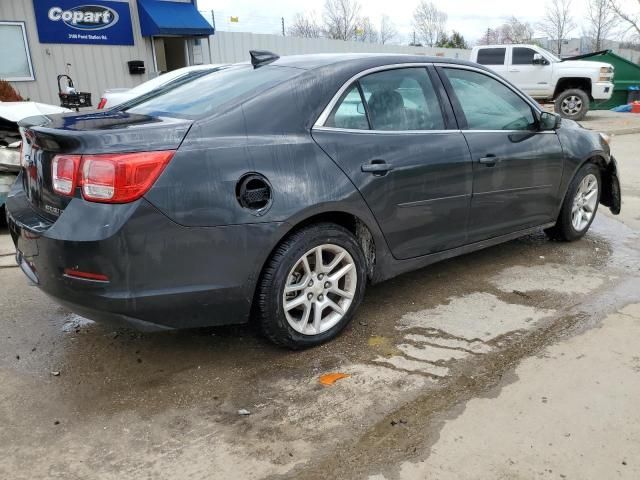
x: 231, y: 47
x: 94, y: 68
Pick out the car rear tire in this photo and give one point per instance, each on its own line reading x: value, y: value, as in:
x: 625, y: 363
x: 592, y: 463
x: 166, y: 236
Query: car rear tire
x: 572, y: 104
x: 579, y: 206
x: 311, y: 286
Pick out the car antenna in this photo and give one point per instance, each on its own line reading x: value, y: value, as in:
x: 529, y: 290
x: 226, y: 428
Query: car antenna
x: 262, y: 57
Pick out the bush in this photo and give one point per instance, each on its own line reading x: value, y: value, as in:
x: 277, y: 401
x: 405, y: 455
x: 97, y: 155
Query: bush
x: 8, y: 93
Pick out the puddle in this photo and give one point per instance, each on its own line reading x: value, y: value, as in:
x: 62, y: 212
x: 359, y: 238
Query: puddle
x: 477, y: 316
x: 555, y: 277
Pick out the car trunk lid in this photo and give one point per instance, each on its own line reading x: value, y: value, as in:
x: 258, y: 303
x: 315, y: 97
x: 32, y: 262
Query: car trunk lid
x: 91, y: 133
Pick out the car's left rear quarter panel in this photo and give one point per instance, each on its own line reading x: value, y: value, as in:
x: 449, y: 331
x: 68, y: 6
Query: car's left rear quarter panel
x: 269, y: 135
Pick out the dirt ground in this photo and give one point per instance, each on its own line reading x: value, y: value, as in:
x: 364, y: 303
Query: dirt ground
x: 516, y: 362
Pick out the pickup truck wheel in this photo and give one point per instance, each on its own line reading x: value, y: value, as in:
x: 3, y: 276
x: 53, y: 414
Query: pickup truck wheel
x: 572, y: 104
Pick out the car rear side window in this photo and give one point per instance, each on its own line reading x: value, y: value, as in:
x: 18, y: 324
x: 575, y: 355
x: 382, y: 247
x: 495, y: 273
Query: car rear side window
x: 402, y: 99
x: 396, y: 100
x: 488, y: 104
x: 349, y: 112
x: 491, y: 56
x: 523, y: 56
x: 202, y: 96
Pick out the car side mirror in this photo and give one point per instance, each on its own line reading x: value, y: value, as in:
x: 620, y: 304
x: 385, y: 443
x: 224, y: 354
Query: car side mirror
x: 360, y: 108
x: 538, y: 59
x: 549, y: 121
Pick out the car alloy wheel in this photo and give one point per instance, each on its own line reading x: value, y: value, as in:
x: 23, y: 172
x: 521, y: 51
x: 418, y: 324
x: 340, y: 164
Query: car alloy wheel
x: 584, y: 202
x: 571, y: 105
x: 319, y: 289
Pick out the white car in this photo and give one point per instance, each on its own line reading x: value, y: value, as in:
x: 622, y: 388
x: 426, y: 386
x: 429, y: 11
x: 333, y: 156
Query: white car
x: 116, y: 96
x: 571, y: 84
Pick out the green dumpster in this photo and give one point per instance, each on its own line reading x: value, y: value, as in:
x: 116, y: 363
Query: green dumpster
x: 626, y: 74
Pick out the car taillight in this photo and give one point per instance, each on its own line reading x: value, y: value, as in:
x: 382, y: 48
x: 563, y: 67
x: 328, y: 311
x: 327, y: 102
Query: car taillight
x: 122, y: 177
x: 65, y: 173
x: 103, y: 102
x: 109, y: 178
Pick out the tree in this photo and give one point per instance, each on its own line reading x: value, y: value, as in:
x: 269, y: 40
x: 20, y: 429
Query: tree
x: 630, y: 18
x: 557, y: 23
x: 601, y: 20
x: 340, y: 19
x: 429, y: 22
x: 491, y: 37
x: 456, y: 40
x: 388, y: 31
x: 512, y: 31
x: 306, y: 27
x: 443, y: 41
x: 365, y: 31
x: 515, y: 31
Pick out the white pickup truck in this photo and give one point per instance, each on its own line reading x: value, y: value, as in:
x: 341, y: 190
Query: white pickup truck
x: 571, y: 84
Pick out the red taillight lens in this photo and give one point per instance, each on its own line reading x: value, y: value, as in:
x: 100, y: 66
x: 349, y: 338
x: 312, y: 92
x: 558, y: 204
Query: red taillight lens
x: 64, y: 173
x: 103, y: 102
x: 121, y: 178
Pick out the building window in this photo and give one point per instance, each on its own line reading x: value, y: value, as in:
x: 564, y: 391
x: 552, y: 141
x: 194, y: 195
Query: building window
x: 14, y: 52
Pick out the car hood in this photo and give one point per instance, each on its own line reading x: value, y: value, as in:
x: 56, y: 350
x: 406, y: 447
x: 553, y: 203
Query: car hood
x: 584, y: 64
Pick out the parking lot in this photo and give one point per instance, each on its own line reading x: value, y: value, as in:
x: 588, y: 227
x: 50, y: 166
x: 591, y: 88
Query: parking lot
x: 518, y: 361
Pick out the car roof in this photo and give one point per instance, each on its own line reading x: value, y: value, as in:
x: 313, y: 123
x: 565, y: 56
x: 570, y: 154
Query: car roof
x: 505, y: 45
x: 365, y: 60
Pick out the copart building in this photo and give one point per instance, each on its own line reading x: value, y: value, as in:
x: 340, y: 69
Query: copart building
x: 100, y: 44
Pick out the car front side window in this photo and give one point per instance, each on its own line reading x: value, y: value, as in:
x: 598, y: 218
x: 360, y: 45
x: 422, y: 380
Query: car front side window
x: 488, y: 104
x: 523, y: 56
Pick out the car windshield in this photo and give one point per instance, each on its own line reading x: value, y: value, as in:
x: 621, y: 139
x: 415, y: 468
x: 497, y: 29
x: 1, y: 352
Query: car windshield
x: 200, y: 97
x: 550, y: 55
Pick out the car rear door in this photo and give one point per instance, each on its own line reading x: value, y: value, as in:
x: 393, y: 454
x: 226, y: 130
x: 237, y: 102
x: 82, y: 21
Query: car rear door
x: 494, y: 58
x: 390, y: 133
x: 516, y: 167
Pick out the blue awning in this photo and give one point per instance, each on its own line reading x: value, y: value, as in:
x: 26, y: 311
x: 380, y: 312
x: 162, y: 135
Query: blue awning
x: 163, y: 17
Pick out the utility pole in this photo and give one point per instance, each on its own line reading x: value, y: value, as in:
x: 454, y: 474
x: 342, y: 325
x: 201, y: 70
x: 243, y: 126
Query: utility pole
x: 414, y: 37
x: 213, y: 20
x: 282, y: 18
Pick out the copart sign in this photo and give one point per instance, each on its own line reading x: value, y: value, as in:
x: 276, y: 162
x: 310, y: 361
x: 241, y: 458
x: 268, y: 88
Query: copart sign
x: 78, y: 21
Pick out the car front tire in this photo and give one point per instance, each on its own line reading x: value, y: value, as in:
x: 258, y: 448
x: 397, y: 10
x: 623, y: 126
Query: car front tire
x: 311, y: 286
x: 579, y: 206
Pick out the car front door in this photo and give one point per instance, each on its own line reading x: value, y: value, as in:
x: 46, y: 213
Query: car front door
x: 532, y: 78
x: 516, y: 167
x: 389, y: 132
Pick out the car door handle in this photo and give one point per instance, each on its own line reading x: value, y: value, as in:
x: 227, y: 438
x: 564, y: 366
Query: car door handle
x: 377, y: 167
x: 514, y: 70
x: 489, y: 160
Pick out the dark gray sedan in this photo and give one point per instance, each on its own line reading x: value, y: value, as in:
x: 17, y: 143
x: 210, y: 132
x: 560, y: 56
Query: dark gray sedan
x: 277, y: 190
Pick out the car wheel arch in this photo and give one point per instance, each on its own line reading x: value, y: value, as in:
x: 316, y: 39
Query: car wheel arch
x: 370, y: 240
x: 610, y: 196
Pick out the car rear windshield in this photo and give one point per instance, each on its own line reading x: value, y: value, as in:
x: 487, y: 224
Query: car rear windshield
x: 202, y: 96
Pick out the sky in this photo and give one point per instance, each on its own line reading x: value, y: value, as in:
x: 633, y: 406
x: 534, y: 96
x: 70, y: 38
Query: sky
x: 470, y: 17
